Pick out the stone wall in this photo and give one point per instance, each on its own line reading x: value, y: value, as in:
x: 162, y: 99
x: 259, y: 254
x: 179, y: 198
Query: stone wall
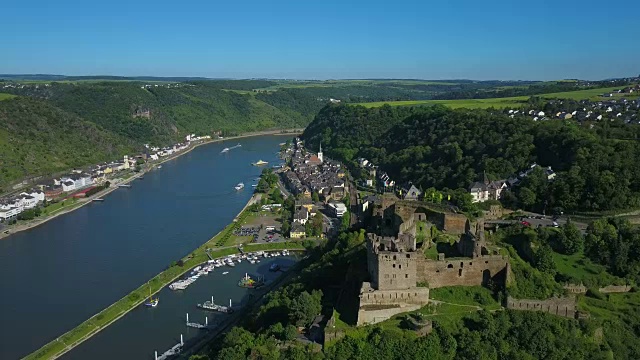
x: 414, y: 296
x: 395, y: 270
x: 615, y: 289
x: 565, y: 306
x: 581, y: 289
x: 379, y: 305
x: 463, y: 271
x: 455, y: 224
x: 368, y: 317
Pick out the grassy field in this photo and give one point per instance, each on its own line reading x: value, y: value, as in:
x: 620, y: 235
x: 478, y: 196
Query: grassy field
x: 581, y: 269
x: 5, y: 96
x: 616, y: 306
x: 513, y: 101
x: 465, y: 295
x: 136, y: 297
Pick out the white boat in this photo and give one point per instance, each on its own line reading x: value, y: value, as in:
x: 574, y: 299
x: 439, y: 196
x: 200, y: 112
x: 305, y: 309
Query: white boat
x: 224, y: 150
x: 251, y: 261
x: 225, y: 273
x: 254, y: 185
x: 240, y: 186
x: 231, y: 263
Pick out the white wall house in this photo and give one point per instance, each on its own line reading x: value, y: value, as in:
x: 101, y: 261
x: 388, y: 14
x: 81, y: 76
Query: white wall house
x: 337, y: 209
x: 68, y: 185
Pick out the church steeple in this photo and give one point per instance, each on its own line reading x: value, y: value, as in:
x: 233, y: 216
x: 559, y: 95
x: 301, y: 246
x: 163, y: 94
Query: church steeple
x: 320, y: 153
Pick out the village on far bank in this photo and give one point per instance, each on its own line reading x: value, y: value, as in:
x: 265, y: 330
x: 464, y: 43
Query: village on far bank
x: 47, y: 195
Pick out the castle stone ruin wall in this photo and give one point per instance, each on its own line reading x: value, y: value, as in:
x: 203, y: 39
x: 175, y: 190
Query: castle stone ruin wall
x: 565, y: 306
x: 463, y: 271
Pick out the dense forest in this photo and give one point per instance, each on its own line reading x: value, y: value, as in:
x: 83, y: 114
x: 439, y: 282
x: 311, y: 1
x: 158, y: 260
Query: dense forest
x: 450, y: 149
x: 37, y: 137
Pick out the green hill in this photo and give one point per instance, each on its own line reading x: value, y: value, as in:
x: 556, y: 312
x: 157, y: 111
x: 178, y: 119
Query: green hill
x: 37, y: 138
x: 444, y: 148
x: 45, y: 128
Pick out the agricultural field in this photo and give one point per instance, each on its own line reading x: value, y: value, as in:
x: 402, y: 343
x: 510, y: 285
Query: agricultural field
x: 592, y: 94
x: 343, y: 83
x: 4, y: 96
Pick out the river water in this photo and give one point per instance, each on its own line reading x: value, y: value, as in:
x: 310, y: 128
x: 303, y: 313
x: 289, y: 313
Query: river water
x: 60, y: 273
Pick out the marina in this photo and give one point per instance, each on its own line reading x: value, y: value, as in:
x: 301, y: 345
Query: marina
x: 156, y: 329
x: 110, y: 247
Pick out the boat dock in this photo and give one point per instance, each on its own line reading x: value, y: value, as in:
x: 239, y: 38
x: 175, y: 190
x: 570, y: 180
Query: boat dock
x: 211, y: 305
x: 175, y: 350
x: 198, y: 325
x: 125, y: 185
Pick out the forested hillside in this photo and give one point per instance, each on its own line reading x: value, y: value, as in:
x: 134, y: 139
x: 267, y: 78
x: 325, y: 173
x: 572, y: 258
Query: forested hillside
x: 443, y: 148
x: 38, y: 138
x: 54, y: 127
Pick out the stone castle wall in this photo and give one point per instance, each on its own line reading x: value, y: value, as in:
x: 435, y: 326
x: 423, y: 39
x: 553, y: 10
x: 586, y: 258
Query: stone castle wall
x: 394, y: 270
x: 379, y: 305
x: 463, y: 271
x: 368, y: 317
x: 615, y: 289
x: 415, y: 296
x: 565, y: 306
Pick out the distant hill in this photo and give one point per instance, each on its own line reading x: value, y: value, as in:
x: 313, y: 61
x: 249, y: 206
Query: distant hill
x: 52, y: 127
x: 162, y: 110
x: 37, y: 138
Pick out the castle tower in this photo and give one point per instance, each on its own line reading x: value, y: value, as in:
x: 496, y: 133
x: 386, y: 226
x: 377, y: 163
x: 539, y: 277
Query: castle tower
x: 126, y: 161
x: 320, y: 153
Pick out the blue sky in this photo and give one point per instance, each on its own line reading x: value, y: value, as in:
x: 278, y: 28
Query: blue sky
x: 536, y: 40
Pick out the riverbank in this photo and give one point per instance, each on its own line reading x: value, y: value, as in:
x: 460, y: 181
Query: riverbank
x: 26, y: 225
x: 112, y: 313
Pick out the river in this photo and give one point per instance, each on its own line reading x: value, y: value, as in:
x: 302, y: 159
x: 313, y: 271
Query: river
x: 60, y: 273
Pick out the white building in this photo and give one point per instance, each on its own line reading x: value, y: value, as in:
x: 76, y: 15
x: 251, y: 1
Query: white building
x: 68, y: 185
x: 337, y: 209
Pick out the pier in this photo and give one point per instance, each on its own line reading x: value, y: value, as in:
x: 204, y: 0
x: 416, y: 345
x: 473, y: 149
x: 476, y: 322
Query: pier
x: 175, y: 350
x: 125, y: 185
x: 98, y: 199
x: 211, y: 305
x: 198, y: 325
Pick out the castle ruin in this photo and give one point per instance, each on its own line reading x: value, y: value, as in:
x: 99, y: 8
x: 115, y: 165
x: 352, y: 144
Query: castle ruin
x: 397, y: 266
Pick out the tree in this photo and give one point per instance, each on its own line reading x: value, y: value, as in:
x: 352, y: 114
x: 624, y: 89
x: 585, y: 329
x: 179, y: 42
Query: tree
x: 263, y: 186
x: 305, y: 307
x: 543, y: 259
x: 345, y: 222
x: 574, y: 241
x: 238, y: 338
x: 290, y: 333
x: 276, y: 330
x: 527, y: 197
x: 314, y: 197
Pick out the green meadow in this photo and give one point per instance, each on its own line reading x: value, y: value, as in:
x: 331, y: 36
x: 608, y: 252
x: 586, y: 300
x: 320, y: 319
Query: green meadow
x: 514, y: 101
x: 4, y: 96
